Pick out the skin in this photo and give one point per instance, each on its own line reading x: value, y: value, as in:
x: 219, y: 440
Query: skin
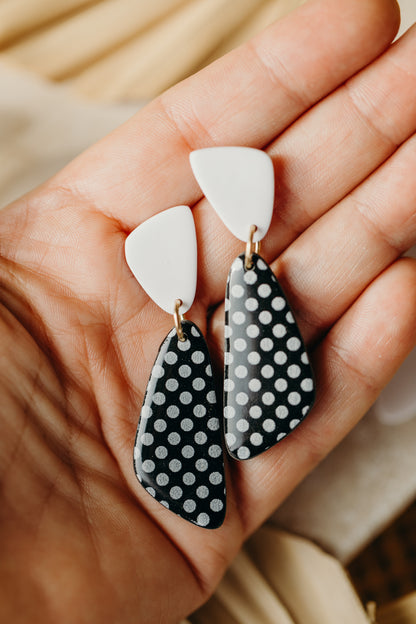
x: 80, y: 540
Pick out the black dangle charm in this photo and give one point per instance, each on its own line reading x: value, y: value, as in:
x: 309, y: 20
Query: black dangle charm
x: 268, y: 382
x: 178, y: 455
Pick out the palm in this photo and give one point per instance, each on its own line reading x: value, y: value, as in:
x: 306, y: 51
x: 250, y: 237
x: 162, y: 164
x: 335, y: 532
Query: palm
x: 80, y: 369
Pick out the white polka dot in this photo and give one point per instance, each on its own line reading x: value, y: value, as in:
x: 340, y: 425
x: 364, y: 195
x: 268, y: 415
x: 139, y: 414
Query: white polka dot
x: 269, y: 425
x: 268, y: 398
x: 160, y: 425
x: 172, y: 385
x: 280, y: 384
x: 189, y: 505
x: 293, y: 423
x: 237, y: 265
x: 151, y: 491
x: 185, y: 371
x: 241, y: 398
x: 161, y: 452
x: 229, y: 411
x: 202, y: 491
x: 146, y: 412
x: 216, y: 504
x: 200, y: 411
x: 157, y: 371
x: 215, y: 478
x: 251, y: 304
x: 228, y: 331
x: 267, y: 371
x: 264, y: 290
x: 243, y: 452
x: 183, y: 345
x: 305, y: 410
x: 159, y: 398
x: 254, y: 385
x: 252, y: 331
x: 201, y: 464
x: 189, y: 478
x: 176, y: 492
x: 188, y: 451
x: 211, y: 397
x: 174, y: 438
x: 242, y: 425
x: 203, y: 519
x: 147, y: 439
x: 172, y: 411
x: 228, y: 358
x: 289, y: 317
x: 208, y: 370
x: 230, y: 439
x: 266, y: 344
x: 197, y: 357
x: 237, y: 291
x: 195, y: 332
x: 241, y: 371
x: 253, y: 358
x: 171, y: 357
x: 256, y: 439
x: 307, y: 384
x: 164, y: 503
x: 261, y: 264
x: 293, y: 371
x: 214, y: 450
x: 293, y: 344
x: 278, y: 303
x: 265, y: 317
x: 280, y: 437
x: 185, y: 398
x: 294, y: 398
x: 250, y: 277
x: 148, y: 465
x: 239, y: 318
x: 240, y: 344
x: 198, y: 384
x: 162, y: 479
x: 255, y: 411
x: 187, y: 424
x: 175, y: 465
x: 213, y: 424
x: 280, y: 357
x: 304, y: 358
x: 279, y: 330
x: 200, y: 437
x: 227, y: 304
x: 281, y: 411
x: 228, y: 385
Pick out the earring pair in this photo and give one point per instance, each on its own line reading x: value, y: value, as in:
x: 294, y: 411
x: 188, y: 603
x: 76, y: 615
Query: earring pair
x: 268, y: 381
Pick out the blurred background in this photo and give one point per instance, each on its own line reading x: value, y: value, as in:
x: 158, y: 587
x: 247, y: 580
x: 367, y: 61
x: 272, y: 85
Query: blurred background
x: 71, y: 71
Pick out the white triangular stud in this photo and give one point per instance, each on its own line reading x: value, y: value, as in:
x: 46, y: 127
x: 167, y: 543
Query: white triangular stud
x: 239, y: 184
x: 162, y: 255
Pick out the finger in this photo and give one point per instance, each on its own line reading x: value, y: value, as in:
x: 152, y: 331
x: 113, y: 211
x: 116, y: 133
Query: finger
x: 352, y: 365
x: 246, y: 98
x: 325, y: 155
x: 327, y: 268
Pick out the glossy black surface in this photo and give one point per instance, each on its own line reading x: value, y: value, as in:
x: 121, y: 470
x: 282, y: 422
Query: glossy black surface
x: 268, y: 382
x: 178, y: 453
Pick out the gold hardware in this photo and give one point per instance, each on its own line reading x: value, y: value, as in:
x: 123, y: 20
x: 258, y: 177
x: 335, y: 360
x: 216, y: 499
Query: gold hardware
x: 251, y: 248
x: 178, y: 318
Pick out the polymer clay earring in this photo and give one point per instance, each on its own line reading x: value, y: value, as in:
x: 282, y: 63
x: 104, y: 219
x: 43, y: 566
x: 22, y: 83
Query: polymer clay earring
x: 268, y: 381
x: 178, y: 454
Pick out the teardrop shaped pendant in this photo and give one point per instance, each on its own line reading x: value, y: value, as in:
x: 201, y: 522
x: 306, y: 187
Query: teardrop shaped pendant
x: 177, y: 454
x: 268, y: 381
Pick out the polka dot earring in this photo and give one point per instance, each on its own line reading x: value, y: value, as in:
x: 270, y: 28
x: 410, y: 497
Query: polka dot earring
x: 178, y: 456
x: 268, y: 381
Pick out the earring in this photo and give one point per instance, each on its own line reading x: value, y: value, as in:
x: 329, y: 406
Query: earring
x: 178, y: 456
x: 268, y: 381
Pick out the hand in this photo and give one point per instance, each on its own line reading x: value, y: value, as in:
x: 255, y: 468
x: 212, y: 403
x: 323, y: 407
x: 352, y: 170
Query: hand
x: 80, y: 539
